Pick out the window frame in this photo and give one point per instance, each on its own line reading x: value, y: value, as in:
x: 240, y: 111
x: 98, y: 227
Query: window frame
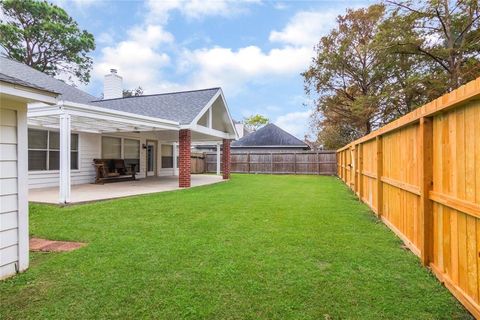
x: 122, y: 148
x: 48, y: 150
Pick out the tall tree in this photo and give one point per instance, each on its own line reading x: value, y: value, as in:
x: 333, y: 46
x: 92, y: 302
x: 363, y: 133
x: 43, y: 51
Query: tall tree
x: 255, y: 121
x: 348, y: 72
x: 45, y: 37
x: 448, y: 35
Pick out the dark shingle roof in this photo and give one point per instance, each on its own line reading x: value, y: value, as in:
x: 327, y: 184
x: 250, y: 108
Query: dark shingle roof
x: 22, y: 72
x: 269, y: 135
x: 182, y: 107
x: 13, y: 80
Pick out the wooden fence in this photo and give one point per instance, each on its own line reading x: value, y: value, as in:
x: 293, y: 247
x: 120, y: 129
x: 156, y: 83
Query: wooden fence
x: 197, y: 162
x: 322, y: 162
x: 421, y: 175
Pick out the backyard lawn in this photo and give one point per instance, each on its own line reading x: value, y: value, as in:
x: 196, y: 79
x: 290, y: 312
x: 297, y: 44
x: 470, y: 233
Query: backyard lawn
x: 256, y: 247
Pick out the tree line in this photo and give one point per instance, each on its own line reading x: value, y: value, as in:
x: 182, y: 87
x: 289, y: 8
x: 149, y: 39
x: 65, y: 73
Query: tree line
x: 383, y: 61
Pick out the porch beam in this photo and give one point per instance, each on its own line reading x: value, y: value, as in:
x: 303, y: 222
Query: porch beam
x: 226, y: 159
x: 185, y: 144
x: 210, y: 118
x: 218, y: 159
x: 175, y: 155
x: 65, y: 147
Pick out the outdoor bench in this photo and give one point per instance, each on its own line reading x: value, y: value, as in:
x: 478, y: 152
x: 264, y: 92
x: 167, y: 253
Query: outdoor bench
x: 110, y: 170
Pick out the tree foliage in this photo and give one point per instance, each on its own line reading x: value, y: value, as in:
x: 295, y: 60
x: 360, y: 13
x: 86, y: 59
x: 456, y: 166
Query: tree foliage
x: 448, y: 35
x: 256, y: 121
x: 383, y: 61
x: 133, y: 92
x: 45, y: 37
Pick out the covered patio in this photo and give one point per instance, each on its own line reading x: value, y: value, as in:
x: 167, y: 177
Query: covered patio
x: 83, y: 193
x: 92, y: 126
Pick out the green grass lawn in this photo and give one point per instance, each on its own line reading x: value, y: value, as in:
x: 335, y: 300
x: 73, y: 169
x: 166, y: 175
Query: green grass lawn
x: 256, y: 247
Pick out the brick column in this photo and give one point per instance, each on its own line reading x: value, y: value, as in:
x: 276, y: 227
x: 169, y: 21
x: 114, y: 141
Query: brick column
x: 184, y: 161
x: 226, y: 159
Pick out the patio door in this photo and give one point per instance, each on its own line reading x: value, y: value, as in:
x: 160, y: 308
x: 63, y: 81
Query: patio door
x: 151, y: 158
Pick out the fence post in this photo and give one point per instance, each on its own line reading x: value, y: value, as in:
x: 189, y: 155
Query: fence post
x: 425, y: 149
x: 378, y: 140
x: 271, y: 162
x: 294, y: 163
x: 360, y: 171
x: 248, y: 162
x: 318, y: 163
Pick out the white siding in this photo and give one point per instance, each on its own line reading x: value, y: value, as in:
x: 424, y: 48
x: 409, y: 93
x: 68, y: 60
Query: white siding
x: 8, y: 192
x: 90, y: 146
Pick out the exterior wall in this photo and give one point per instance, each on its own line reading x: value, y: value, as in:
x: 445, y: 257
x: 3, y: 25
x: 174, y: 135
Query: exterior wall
x: 13, y: 188
x: 90, y: 147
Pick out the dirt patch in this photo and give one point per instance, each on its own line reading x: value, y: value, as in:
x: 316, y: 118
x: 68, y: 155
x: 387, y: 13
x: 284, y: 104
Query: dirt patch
x: 44, y: 245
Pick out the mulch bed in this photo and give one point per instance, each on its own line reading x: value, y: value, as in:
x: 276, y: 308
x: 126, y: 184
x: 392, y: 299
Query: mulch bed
x: 44, y: 245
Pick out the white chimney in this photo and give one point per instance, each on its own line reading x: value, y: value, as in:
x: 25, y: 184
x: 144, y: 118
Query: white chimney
x: 112, y: 85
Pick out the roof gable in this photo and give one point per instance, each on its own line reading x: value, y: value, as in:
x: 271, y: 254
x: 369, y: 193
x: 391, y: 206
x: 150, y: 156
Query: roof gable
x: 267, y: 136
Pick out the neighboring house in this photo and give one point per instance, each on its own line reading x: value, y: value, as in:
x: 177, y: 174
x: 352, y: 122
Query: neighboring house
x: 152, y: 131
x: 269, y: 138
x: 15, y: 94
x: 241, y: 131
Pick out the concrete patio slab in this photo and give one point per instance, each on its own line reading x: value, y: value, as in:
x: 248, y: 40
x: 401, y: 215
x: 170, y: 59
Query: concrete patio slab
x: 94, y: 192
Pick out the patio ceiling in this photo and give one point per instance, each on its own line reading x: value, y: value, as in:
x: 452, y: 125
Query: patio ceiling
x: 86, y: 118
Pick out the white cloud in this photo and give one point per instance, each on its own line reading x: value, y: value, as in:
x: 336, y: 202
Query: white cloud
x: 159, y: 10
x: 150, y: 35
x: 295, y: 123
x: 138, y: 59
x: 305, y: 28
x: 234, y: 68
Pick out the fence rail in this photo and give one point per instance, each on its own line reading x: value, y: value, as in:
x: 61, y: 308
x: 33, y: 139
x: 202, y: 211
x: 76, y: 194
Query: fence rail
x: 321, y: 163
x: 421, y: 175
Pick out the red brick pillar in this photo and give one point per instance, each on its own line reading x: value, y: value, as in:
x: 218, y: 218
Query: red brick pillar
x: 184, y: 161
x: 226, y: 159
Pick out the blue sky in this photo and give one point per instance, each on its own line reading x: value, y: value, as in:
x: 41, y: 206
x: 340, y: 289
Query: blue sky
x: 255, y: 50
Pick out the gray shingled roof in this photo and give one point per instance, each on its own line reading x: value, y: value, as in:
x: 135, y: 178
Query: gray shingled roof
x: 17, y: 81
x: 267, y: 136
x: 22, y: 72
x: 182, y: 107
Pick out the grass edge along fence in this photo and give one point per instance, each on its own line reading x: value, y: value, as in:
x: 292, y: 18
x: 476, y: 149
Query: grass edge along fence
x: 300, y: 162
x: 420, y: 174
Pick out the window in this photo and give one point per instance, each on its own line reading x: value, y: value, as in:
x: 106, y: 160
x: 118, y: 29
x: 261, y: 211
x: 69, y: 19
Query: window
x: 132, y: 153
x: 112, y: 149
x: 167, y: 156
x: 44, y: 150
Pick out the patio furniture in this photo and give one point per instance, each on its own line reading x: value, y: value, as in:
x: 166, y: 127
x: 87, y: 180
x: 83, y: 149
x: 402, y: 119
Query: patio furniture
x: 111, y: 170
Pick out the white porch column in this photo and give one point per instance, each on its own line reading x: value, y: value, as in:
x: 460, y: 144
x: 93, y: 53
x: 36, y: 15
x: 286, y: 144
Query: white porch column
x: 175, y: 155
x: 65, y: 147
x: 218, y: 159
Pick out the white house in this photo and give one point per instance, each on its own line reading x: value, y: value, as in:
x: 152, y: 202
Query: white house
x: 15, y: 94
x: 152, y: 131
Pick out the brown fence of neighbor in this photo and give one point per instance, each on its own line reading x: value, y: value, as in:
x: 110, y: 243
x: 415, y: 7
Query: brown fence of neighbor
x: 421, y: 175
x: 322, y: 162
x: 197, y: 162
